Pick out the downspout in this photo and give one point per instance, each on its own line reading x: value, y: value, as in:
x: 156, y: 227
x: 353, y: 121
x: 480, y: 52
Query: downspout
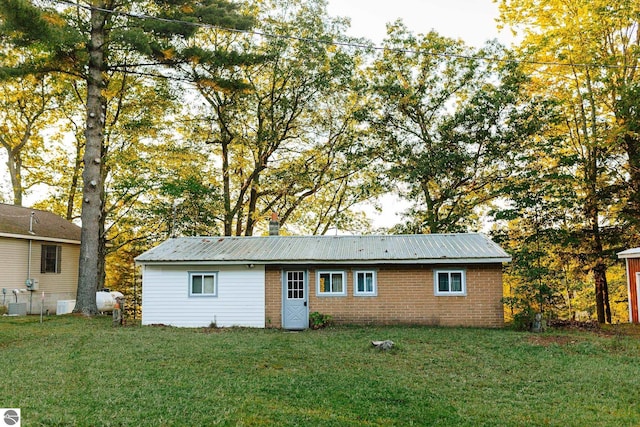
x: 29, y: 260
x: 30, y: 244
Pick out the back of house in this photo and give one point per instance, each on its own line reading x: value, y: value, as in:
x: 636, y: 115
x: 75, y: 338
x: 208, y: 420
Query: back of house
x: 278, y: 281
x: 39, y: 252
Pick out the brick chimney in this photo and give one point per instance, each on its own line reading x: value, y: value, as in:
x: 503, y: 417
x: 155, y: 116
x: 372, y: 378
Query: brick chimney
x: 274, y: 225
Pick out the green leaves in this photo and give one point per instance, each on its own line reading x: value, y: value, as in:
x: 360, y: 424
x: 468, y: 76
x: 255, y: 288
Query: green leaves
x: 449, y: 125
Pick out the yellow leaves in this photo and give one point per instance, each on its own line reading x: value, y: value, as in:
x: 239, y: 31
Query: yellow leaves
x: 53, y: 19
x: 187, y: 9
x: 169, y: 53
x: 211, y: 84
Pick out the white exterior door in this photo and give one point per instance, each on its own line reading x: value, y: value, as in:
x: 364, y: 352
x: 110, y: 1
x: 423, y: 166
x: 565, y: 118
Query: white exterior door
x: 295, y: 311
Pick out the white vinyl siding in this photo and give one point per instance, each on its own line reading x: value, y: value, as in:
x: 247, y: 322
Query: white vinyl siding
x: 166, y: 297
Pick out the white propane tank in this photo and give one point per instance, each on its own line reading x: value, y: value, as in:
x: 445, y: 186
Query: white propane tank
x: 106, y: 300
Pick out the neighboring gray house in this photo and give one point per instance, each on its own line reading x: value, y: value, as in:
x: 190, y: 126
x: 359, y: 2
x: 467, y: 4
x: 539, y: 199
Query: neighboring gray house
x: 39, y: 247
x: 276, y: 281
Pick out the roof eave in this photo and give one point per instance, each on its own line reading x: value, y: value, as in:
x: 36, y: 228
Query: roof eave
x: 628, y: 255
x: 430, y: 261
x: 39, y: 238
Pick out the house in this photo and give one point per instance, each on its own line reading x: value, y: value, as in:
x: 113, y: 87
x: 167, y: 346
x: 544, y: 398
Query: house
x: 277, y: 281
x: 632, y: 261
x: 40, y: 253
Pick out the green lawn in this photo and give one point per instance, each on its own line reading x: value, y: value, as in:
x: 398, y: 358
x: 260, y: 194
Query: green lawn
x: 76, y: 371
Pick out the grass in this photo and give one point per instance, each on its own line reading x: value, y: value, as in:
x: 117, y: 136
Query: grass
x: 77, y: 371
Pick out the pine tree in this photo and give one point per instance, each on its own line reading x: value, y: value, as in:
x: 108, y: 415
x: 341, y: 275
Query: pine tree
x: 91, y: 41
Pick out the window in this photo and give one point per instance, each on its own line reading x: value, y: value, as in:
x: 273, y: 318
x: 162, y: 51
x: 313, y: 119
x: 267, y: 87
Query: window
x: 50, y: 259
x: 295, y: 284
x: 364, y: 283
x: 331, y: 283
x: 203, y: 284
x: 450, y: 282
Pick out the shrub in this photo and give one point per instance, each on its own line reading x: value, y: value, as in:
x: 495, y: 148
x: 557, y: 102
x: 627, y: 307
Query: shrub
x: 319, y: 320
x: 523, y: 313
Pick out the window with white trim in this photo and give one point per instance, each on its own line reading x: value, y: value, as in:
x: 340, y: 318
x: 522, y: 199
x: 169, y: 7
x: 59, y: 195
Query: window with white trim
x: 331, y: 283
x: 364, y: 283
x: 203, y: 284
x: 450, y: 282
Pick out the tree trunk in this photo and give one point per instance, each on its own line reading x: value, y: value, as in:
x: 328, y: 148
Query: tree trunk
x: 74, y: 181
x: 593, y: 209
x: 226, y: 188
x: 253, y: 201
x: 88, y: 276
x: 599, y: 270
x: 602, y: 293
x: 14, y: 163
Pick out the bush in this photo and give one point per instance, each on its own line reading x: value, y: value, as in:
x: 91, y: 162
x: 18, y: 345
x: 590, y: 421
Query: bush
x: 523, y: 314
x: 319, y: 320
x: 523, y: 320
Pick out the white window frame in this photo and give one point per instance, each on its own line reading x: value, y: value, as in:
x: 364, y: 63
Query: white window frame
x: 319, y: 291
x: 365, y: 293
x: 449, y: 272
x: 193, y: 274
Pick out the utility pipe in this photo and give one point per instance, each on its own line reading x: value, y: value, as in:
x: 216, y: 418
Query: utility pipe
x: 29, y: 260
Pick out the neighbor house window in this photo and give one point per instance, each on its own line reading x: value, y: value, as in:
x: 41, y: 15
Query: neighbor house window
x: 450, y: 282
x: 50, y: 260
x: 364, y: 283
x: 203, y: 284
x: 331, y: 283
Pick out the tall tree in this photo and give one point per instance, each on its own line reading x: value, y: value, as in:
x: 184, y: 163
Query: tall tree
x: 586, y: 54
x: 449, y: 123
x: 26, y: 104
x: 87, y: 40
x: 292, y: 133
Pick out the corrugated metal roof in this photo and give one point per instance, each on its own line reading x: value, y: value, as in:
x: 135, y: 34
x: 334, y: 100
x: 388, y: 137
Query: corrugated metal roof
x: 415, y: 248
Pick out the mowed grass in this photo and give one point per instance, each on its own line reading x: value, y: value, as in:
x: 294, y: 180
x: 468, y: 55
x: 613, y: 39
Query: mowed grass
x: 77, y: 371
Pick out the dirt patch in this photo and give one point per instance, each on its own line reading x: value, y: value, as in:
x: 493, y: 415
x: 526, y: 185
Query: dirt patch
x: 574, y: 325
x: 547, y: 340
x: 620, y: 329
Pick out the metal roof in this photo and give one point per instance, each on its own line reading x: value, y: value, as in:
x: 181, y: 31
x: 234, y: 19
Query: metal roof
x: 369, y: 249
x: 630, y: 253
x: 26, y: 223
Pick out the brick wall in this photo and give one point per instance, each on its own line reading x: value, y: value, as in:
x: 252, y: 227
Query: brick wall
x: 405, y: 295
x: 273, y: 296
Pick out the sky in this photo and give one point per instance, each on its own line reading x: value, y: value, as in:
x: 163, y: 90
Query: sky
x: 470, y: 20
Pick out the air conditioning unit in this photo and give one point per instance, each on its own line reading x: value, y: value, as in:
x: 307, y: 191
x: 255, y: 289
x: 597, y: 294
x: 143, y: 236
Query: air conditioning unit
x: 17, y: 309
x: 65, y: 306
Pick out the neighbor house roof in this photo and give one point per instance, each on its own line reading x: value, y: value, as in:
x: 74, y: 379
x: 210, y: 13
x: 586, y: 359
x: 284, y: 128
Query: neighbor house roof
x: 630, y: 253
x: 17, y: 222
x: 395, y: 249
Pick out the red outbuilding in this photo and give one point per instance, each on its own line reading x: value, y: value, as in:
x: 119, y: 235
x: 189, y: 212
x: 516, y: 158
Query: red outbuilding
x: 632, y: 259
